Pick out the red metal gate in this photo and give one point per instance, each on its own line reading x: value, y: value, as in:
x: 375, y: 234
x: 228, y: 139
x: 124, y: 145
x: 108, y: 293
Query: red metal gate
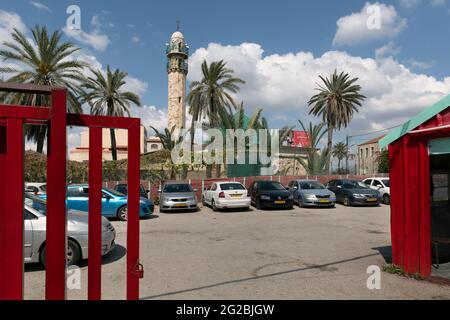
x: 12, y: 121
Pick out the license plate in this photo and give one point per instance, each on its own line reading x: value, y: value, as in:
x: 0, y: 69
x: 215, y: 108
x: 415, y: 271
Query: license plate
x: 181, y: 205
x: 236, y: 195
x: 324, y: 201
x: 280, y: 202
x: 371, y: 199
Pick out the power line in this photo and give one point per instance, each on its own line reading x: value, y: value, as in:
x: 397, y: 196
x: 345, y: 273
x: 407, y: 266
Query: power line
x: 372, y: 132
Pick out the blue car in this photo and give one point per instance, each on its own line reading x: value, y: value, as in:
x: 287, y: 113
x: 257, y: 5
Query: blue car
x: 114, y: 204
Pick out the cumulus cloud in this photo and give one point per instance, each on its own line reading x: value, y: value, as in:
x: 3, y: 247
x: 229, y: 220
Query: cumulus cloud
x: 95, y: 40
x: 8, y: 22
x: 390, y: 49
x: 412, y: 4
x: 375, y: 21
x: 283, y: 84
x: 40, y: 6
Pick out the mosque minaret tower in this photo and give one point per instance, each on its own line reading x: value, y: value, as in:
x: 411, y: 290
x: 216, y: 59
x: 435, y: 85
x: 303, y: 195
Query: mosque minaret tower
x: 177, y: 69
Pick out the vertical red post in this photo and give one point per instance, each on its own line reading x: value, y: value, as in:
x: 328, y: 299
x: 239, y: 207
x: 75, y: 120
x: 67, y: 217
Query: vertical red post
x: 3, y: 217
x: 424, y: 209
x: 11, y: 219
x: 56, y: 244
x: 95, y: 214
x: 133, y: 210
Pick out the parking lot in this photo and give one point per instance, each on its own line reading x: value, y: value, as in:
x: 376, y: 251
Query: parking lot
x: 294, y: 254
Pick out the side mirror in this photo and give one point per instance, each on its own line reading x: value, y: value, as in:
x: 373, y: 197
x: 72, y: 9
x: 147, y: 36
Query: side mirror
x: 339, y: 187
x: 295, y: 188
x: 106, y: 196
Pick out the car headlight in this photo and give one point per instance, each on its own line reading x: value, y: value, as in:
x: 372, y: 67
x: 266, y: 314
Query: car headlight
x: 265, y: 197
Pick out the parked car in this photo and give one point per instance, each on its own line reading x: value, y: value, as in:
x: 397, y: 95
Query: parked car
x: 35, y: 222
x: 226, y: 195
x: 270, y: 194
x: 37, y: 188
x: 177, y: 196
x: 311, y: 193
x: 123, y: 188
x: 114, y: 203
x: 353, y: 192
x: 383, y: 185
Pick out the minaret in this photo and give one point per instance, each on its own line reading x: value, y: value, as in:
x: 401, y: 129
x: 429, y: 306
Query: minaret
x: 177, y: 69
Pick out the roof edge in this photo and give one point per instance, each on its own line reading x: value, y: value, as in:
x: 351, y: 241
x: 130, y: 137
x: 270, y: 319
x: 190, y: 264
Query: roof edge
x: 416, y: 121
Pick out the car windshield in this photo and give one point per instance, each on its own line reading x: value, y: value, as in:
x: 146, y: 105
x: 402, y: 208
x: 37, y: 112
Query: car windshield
x: 114, y: 192
x: 311, y: 185
x: 355, y: 185
x: 231, y: 186
x: 36, y: 203
x: 269, y: 185
x: 387, y: 183
x: 177, y: 188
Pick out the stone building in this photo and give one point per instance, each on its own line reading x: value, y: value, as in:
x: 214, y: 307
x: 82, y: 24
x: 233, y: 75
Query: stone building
x: 177, y: 68
x: 368, y: 153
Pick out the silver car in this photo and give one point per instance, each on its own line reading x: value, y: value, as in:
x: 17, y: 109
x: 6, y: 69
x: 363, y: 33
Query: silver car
x: 177, y: 196
x: 311, y: 193
x: 77, y: 232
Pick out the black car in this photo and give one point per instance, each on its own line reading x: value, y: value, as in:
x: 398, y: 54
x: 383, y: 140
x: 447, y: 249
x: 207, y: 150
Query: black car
x: 123, y: 188
x: 354, y: 192
x: 270, y: 194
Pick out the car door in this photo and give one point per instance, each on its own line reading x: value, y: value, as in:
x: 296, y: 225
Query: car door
x: 339, y: 190
x: 254, y: 191
x: 28, y: 234
x: 78, y: 199
x: 208, y: 194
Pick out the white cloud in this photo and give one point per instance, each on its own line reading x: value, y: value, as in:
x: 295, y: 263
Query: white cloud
x: 95, y: 40
x: 390, y: 49
x: 40, y: 6
x: 412, y: 4
x: 283, y: 84
x: 136, y: 40
x: 357, y: 28
x: 8, y: 22
x: 151, y: 116
x: 414, y: 64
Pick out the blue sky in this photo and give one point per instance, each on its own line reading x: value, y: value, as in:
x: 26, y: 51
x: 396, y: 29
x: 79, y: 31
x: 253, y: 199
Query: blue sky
x: 279, y: 47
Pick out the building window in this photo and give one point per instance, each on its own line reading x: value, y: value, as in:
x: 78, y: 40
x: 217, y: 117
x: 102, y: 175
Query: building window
x: 154, y: 147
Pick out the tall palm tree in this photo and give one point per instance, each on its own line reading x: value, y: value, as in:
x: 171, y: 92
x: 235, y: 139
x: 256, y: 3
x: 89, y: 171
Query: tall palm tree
x: 340, y: 151
x: 212, y: 95
x: 169, y: 141
x: 105, y: 97
x: 316, y: 161
x: 44, y: 60
x: 337, y: 101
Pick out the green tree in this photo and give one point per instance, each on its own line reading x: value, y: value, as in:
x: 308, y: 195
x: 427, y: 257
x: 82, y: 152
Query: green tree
x: 105, y: 97
x: 383, y: 161
x: 169, y: 141
x: 43, y: 60
x: 337, y: 101
x: 212, y: 97
x: 340, y: 152
x: 316, y: 161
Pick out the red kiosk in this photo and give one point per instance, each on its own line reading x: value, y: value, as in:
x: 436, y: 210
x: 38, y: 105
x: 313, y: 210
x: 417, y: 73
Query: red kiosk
x: 419, y: 157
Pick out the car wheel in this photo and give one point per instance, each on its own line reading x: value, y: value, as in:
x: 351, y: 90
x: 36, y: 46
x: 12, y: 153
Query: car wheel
x: 73, y: 254
x: 122, y: 213
x: 213, y: 205
x: 300, y: 202
x: 386, y: 199
x: 346, y: 201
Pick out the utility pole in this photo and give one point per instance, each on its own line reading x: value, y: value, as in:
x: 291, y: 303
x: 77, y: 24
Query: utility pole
x: 346, y: 156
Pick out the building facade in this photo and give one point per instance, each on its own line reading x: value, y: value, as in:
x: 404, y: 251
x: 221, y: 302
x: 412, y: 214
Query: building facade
x: 81, y: 152
x: 368, y: 153
x: 177, y: 69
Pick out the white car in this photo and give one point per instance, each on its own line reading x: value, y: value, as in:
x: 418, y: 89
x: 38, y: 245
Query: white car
x: 37, y: 188
x: 382, y: 185
x: 226, y: 195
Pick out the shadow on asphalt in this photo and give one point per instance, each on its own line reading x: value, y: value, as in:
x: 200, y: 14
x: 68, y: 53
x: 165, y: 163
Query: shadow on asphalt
x: 386, y: 253
x: 259, y: 277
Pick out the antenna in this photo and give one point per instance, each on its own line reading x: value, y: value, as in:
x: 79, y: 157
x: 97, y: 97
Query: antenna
x: 178, y: 24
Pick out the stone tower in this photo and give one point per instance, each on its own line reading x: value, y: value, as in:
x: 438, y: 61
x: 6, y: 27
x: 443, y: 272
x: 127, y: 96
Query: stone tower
x: 177, y: 69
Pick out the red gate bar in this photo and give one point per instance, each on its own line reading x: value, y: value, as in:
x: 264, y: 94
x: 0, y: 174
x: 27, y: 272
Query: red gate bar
x: 56, y: 243
x: 134, y: 268
x: 2, y: 209
x: 11, y: 219
x: 95, y: 214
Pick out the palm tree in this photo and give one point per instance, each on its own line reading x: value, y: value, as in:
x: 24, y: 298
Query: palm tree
x: 211, y: 97
x: 105, y: 97
x: 340, y: 151
x: 44, y: 60
x: 169, y: 142
x: 316, y: 161
x: 337, y: 101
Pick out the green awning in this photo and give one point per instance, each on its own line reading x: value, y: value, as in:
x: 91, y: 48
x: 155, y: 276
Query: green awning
x: 439, y: 146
